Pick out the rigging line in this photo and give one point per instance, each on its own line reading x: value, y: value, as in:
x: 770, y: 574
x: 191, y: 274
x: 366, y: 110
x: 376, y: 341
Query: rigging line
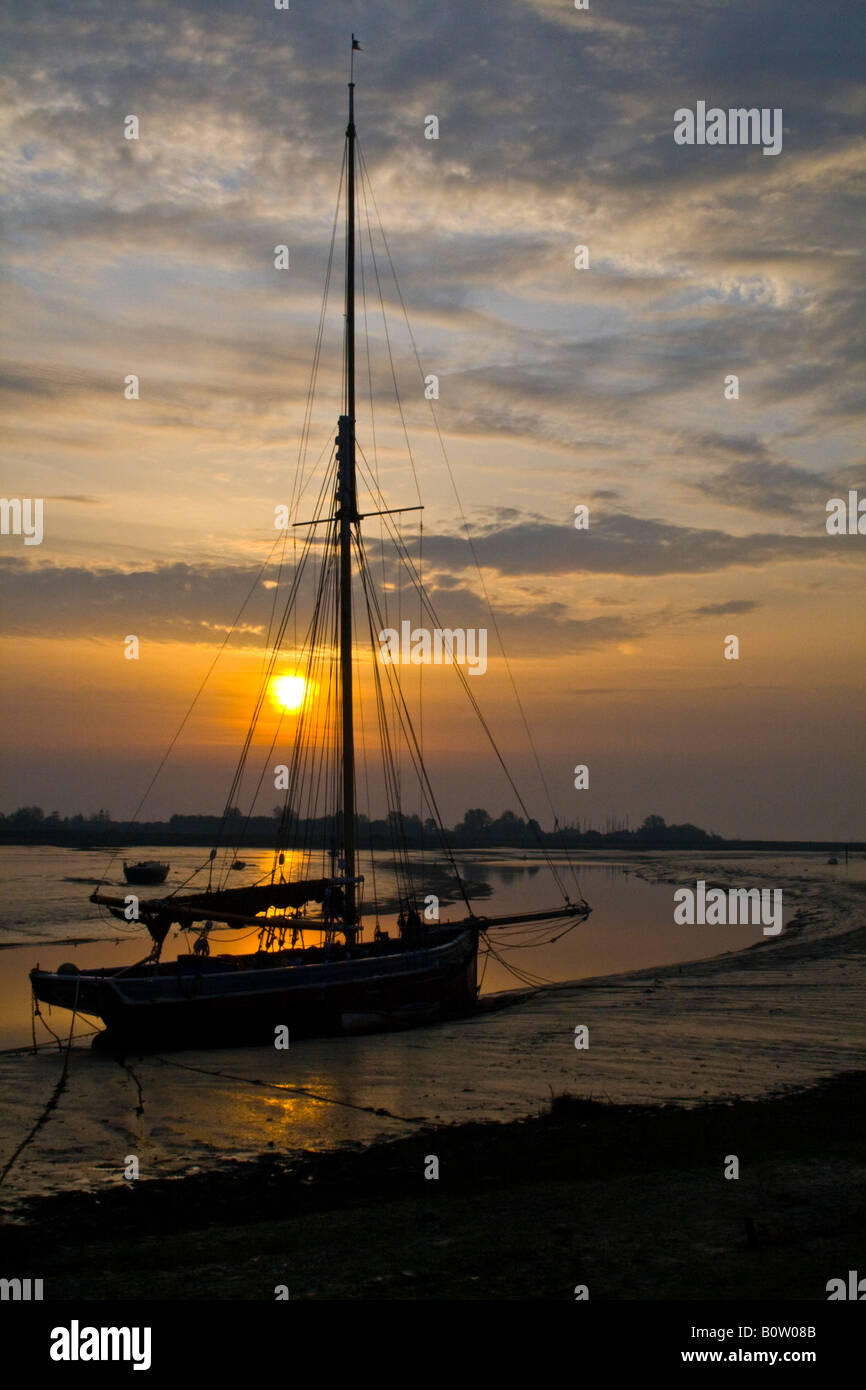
x: 402, y: 864
x: 480, y: 985
x: 529, y: 942
x: 482, y: 720
x: 294, y: 1090
x: 273, y: 652
x: 467, y: 530
x: 242, y: 759
x: 421, y: 664
x: 391, y: 788
x: 464, y: 680
x: 372, y: 411
x: 524, y: 976
x: 309, y: 772
x: 400, y: 706
x: 52, y: 1100
x: 365, y: 179
x: 195, y: 699
x: 369, y: 361
x: 392, y: 779
x: 367, y: 355
x: 304, y: 743
x: 360, y: 708
x: 299, y: 746
x: 277, y: 583
x: 30, y: 1048
x: 390, y: 766
x: 370, y: 389
x: 282, y: 563
x: 232, y: 853
x: 393, y: 797
x: 293, y: 806
x: 305, y: 778
x: 295, y: 501
x: 189, y: 878
x: 220, y: 930
x: 417, y: 760
x: 308, y: 407
x: 348, y: 253
x: 119, y: 930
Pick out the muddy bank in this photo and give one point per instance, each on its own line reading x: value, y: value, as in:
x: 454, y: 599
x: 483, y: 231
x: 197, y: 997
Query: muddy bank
x: 787, y: 1012
x: 629, y: 1200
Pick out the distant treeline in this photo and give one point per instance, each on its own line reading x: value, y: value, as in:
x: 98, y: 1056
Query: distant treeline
x: 29, y: 825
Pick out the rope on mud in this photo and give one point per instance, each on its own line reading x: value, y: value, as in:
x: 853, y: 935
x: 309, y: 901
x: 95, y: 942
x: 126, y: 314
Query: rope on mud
x: 30, y: 1048
x: 52, y: 1100
x: 295, y: 1090
x: 36, y: 1013
x: 139, y: 1109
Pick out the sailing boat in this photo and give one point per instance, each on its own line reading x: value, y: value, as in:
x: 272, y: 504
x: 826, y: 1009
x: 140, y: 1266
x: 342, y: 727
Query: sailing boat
x: 423, y: 972
x: 146, y: 871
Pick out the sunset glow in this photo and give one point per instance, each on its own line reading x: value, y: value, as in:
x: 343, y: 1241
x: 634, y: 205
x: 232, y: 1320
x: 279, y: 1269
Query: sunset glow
x: 587, y: 389
x: 288, y: 693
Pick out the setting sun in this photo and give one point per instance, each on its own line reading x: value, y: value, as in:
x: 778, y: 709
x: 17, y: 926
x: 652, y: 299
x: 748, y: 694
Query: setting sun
x: 288, y: 693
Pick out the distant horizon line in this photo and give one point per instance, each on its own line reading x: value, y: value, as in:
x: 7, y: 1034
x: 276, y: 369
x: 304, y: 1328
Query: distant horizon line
x: 477, y: 830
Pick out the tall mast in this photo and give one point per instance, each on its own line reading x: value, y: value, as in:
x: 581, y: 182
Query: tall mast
x: 348, y: 517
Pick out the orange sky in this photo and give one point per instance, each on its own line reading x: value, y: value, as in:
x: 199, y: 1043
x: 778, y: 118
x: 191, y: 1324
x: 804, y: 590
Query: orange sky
x: 556, y: 387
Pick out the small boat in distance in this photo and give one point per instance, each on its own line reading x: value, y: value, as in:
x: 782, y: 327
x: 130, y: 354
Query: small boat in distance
x: 415, y: 967
x: 146, y: 871
x: 239, y: 864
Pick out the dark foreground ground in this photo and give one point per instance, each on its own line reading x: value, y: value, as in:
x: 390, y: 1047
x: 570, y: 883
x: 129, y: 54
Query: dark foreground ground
x: 630, y: 1201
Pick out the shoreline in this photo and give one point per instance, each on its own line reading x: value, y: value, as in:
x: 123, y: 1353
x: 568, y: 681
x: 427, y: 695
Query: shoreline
x: 630, y: 1200
x: 782, y: 1016
x: 122, y: 837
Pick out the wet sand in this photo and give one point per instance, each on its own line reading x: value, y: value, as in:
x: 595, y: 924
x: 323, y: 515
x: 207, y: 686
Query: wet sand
x: 631, y: 1202
x: 783, y: 1015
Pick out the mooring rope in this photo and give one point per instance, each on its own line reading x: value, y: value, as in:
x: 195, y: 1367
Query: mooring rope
x: 295, y: 1090
x: 53, y: 1098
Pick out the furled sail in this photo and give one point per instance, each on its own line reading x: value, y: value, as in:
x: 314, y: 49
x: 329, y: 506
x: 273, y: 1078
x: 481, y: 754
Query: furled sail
x: 228, y: 904
x: 248, y: 902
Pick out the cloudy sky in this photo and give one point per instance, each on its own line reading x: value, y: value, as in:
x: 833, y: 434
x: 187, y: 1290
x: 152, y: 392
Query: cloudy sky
x: 558, y: 386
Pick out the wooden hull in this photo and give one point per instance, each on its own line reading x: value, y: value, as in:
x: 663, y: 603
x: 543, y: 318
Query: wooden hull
x: 231, y: 1001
